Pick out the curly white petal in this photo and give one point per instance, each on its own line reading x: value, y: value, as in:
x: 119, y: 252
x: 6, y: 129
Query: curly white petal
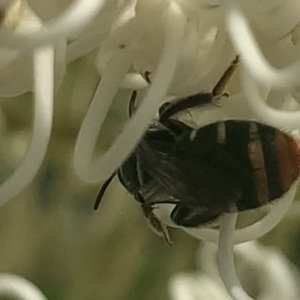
x: 102, y: 168
x: 225, y: 258
x: 43, y: 114
x: 277, y: 276
x: 255, y: 62
x: 195, y: 287
x: 289, y: 120
x: 112, y: 15
x: 14, y: 64
x: 19, y: 288
x: 77, y: 16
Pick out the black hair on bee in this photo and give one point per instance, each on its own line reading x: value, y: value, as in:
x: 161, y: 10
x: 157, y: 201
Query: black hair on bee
x: 204, y: 172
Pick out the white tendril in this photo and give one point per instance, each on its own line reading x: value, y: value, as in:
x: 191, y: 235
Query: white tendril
x: 102, y: 168
x: 225, y: 258
x: 277, y: 276
x: 92, y: 123
x: 82, y: 46
x: 181, y: 288
x: 20, y: 288
x: 289, y: 120
x: 79, y: 14
x: 43, y: 114
x: 94, y: 34
x: 218, y: 58
x: 199, y: 287
x: 134, y: 81
x: 136, y: 27
x: 256, y: 64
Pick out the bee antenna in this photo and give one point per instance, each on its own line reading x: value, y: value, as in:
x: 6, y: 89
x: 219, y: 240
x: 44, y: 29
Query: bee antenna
x: 102, y: 191
x: 219, y: 88
x: 132, y: 103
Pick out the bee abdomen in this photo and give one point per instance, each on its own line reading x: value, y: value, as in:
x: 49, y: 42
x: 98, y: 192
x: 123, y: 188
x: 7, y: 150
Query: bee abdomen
x: 288, y: 158
x: 275, y: 160
x: 259, y: 168
x: 271, y: 159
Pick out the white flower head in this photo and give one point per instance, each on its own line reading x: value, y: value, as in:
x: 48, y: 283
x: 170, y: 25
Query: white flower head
x: 264, y: 271
x: 165, y: 48
x: 16, y: 67
x: 19, y: 288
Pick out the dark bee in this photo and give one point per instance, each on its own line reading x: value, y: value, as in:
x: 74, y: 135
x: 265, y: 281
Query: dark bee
x: 205, y: 172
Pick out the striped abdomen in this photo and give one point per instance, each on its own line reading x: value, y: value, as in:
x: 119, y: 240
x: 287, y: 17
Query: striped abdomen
x: 269, y: 157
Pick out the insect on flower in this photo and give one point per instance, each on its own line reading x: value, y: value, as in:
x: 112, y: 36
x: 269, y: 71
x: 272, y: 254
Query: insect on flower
x: 206, y: 171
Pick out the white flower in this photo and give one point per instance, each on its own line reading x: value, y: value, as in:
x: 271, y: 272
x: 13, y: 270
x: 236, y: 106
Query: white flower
x: 49, y: 9
x: 265, y: 273
x: 20, y: 288
x: 35, y: 63
x: 183, y: 47
x: 16, y: 66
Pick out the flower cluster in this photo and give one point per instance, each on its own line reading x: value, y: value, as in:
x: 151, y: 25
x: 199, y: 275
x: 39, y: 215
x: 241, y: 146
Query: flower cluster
x: 273, y: 276
x: 165, y: 48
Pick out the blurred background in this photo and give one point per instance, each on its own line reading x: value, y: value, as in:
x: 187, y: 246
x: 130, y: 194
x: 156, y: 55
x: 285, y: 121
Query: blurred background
x: 50, y: 233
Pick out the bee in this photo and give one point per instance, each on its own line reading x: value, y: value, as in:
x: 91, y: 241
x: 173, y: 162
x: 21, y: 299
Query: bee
x: 204, y: 172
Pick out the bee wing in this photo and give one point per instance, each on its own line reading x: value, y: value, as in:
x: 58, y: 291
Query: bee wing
x: 198, y: 175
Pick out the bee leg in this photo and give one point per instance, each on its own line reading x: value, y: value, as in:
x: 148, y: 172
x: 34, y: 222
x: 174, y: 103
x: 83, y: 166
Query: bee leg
x: 155, y: 224
x: 132, y: 103
x: 217, y: 99
x: 220, y: 86
x: 147, y: 76
x: 169, y: 109
x: 177, y: 128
